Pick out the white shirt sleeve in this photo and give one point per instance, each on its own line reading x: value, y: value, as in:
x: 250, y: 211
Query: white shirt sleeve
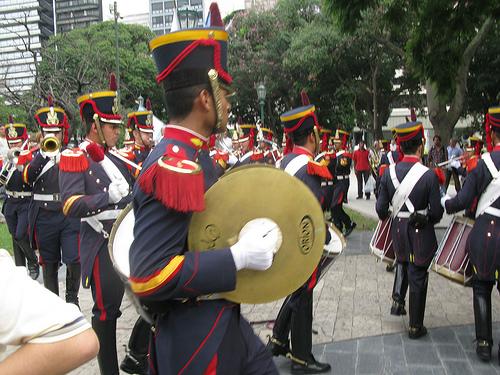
x: 30, y: 313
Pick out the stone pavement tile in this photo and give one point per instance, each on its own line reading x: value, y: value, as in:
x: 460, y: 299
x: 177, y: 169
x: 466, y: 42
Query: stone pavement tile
x: 458, y: 367
x: 478, y: 365
x: 392, y: 340
x: 341, y: 362
x: 371, y: 345
x: 364, y: 325
x: 467, y: 342
x: 421, y: 370
x: 369, y: 363
x: 418, y: 354
x: 443, y: 335
x: 346, y: 346
x: 447, y: 352
x: 395, y: 357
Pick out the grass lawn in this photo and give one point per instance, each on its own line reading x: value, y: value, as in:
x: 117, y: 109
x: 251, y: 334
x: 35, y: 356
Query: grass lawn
x: 363, y: 222
x: 5, y: 238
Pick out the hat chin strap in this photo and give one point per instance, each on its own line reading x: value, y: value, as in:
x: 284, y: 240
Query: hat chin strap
x: 99, y: 129
x: 213, y: 78
x: 317, y: 138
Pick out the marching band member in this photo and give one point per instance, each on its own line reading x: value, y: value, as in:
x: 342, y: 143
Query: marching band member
x: 295, y: 316
x: 341, y: 165
x: 413, y: 191
x: 482, y: 190
x: 196, y: 332
x: 51, y: 232
x: 141, y: 124
x: 16, y: 205
x: 95, y: 186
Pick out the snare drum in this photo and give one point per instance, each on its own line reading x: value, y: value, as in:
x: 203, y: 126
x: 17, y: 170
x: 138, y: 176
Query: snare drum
x: 381, y: 242
x: 329, y: 256
x: 452, y: 259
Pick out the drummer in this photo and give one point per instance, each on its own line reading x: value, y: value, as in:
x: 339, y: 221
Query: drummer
x: 483, y: 242
x: 295, y: 316
x: 415, y: 209
x: 195, y: 332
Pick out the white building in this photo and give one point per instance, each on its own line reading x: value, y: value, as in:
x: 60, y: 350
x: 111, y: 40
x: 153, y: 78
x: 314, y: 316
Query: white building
x: 260, y: 4
x: 24, y: 26
x: 142, y: 19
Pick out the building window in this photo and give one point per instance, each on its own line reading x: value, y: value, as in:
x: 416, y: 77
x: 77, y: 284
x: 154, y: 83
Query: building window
x: 157, y: 7
x: 169, y: 5
x: 157, y: 21
x: 196, y: 2
x: 182, y: 3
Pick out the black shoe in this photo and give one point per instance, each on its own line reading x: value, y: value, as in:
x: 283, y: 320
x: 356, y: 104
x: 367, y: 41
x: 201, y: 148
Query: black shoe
x: 135, y: 364
x: 358, y: 197
x: 389, y: 267
x: 483, y: 350
x: 277, y: 348
x: 311, y: 367
x: 34, y: 270
x: 398, y: 308
x: 417, y: 332
x: 349, y: 229
x: 367, y: 197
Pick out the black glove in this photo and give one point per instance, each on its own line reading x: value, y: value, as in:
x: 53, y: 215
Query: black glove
x: 417, y: 220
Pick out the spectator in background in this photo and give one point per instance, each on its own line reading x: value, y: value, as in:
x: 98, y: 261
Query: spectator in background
x: 54, y: 336
x: 454, y: 152
x: 4, y: 146
x: 437, y: 153
x: 362, y: 168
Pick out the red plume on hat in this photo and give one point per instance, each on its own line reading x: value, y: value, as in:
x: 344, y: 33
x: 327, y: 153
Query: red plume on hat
x: 112, y: 82
x: 304, y: 97
x: 413, y: 115
x: 11, y: 119
x: 215, y: 17
x: 50, y: 101
x: 148, y: 104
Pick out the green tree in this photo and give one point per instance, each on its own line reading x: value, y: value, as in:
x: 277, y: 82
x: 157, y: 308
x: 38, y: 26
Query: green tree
x: 436, y: 40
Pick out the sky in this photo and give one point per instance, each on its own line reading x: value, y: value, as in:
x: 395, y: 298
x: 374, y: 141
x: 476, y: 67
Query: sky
x: 128, y: 7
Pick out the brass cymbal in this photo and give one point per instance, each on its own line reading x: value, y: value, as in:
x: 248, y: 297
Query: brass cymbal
x: 252, y: 192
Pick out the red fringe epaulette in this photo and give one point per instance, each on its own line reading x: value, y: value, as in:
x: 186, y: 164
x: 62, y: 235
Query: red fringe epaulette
x: 73, y: 160
x: 25, y: 157
x: 440, y: 175
x: 95, y: 151
x: 175, y: 181
x: 318, y: 169
x: 471, y: 163
x: 382, y: 169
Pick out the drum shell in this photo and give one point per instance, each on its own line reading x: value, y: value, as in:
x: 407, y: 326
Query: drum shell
x: 381, y: 243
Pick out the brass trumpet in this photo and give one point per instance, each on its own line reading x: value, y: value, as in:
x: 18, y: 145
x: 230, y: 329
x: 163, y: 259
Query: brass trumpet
x: 50, y: 146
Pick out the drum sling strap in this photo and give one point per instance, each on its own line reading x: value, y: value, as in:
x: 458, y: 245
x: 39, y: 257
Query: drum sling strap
x: 294, y: 166
x: 390, y: 157
x: 492, y: 192
x: 405, y: 187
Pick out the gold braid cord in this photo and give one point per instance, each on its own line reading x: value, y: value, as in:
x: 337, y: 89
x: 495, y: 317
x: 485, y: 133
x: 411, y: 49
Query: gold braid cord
x: 99, y: 130
x: 213, y: 77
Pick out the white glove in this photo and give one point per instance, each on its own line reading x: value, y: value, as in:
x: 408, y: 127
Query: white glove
x: 114, y: 193
x: 123, y: 188
x: 444, y: 198
x: 335, y: 246
x: 257, y: 242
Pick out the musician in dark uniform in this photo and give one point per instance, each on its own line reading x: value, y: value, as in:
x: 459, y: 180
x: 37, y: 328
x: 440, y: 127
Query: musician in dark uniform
x: 481, y: 191
x: 95, y: 186
x: 141, y: 123
x: 51, y: 232
x: 295, y: 316
x: 341, y: 167
x: 15, y: 207
x: 196, y: 332
x: 416, y: 208
x: 245, y: 143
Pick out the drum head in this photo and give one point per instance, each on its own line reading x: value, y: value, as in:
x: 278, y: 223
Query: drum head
x: 120, y: 240
x: 252, y: 192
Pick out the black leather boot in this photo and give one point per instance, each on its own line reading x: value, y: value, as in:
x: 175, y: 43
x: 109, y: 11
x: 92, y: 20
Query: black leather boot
x: 136, y: 359
x: 50, y: 280
x: 482, y: 318
x: 29, y: 253
x: 303, y: 362
x: 107, y: 358
x: 19, y: 258
x: 73, y: 276
x: 417, y: 312
x: 399, y: 290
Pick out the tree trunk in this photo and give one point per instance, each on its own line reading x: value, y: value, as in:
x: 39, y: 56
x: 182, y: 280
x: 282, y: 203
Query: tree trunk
x: 377, y: 126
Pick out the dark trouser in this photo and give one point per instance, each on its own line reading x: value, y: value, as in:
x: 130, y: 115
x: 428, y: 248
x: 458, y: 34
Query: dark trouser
x: 340, y: 217
x: 295, y: 318
x: 482, y: 309
x: 16, y: 216
x: 456, y: 179
x: 360, y: 175
x: 400, y: 283
x: 242, y: 352
x: 107, y: 292
x: 418, y: 278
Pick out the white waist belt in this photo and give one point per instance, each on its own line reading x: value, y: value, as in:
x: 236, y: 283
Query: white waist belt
x: 342, y: 177
x: 326, y: 183
x: 492, y: 211
x: 406, y: 214
x: 105, y: 215
x: 18, y: 194
x: 56, y: 197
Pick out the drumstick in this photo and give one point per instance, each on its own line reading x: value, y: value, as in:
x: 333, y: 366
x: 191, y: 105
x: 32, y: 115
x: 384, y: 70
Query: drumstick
x: 125, y: 160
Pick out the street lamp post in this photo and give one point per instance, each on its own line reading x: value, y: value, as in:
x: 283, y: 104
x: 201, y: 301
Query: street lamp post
x: 114, y: 11
x: 190, y: 19
x: 261, y: 95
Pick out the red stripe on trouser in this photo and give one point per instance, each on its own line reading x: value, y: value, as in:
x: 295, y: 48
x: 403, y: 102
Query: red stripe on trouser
x: 212, y: 366
x: 98, y: 290
x: 341, y: 198
x: 40, y: 259
x: 314, y: 278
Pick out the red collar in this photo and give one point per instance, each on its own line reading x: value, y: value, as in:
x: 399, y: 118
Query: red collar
x: 411, y: 159
x: 496, y: 148
x: 186, y: 136
x: 299, y: 150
